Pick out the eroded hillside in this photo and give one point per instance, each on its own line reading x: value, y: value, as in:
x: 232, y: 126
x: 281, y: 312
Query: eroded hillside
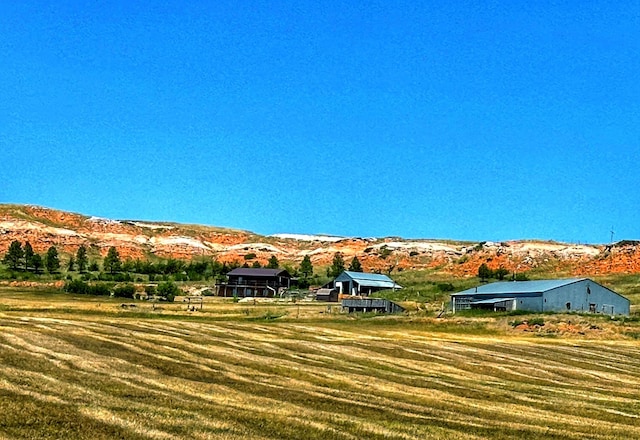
x: 44, y: 227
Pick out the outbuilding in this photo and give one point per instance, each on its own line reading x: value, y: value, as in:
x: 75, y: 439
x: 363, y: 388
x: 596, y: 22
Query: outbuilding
x: 363, y: 284
x: 329, y: 295
x: 565, y: 295
x: 377, y: 305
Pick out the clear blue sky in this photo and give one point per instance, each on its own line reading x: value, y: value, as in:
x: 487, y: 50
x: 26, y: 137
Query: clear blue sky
x: 469, y: 120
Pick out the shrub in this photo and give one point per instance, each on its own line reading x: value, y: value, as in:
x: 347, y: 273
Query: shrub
x: 537, y: 321
x: 126, y: 291
x: 168, y: 290
x: 76, y: 286
x: 82, y: 288
x: 99, y: 290
x: 446, y: 287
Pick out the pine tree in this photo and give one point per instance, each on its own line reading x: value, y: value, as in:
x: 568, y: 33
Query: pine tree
x: 355, y: 265
x: 36, y: 262
x: 72, y: 264
x: 51, y: 260
x: 306, y: 268
x: 81, y: 259
x: 112, y: 261
x: 484, y: 272
x: 337, y: 266
x: 273, y: 262
x: 28, y: 255
x: 14, y: 255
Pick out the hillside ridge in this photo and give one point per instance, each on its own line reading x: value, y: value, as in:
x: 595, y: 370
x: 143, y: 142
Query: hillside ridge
x: 45, y: 227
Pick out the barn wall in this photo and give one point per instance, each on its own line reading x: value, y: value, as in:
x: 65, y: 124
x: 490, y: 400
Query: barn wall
x: 529, y: 303
x: 581, y: 295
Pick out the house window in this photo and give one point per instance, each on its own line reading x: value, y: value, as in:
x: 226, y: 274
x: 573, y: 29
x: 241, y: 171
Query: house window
x: 592, y: 308
x: 568, y: 306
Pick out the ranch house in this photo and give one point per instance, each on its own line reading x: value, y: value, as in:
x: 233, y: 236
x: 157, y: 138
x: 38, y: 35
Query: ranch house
x: 254, y: 282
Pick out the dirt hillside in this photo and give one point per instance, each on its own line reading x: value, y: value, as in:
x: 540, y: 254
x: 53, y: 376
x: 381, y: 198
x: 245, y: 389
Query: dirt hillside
x: 44, y: 227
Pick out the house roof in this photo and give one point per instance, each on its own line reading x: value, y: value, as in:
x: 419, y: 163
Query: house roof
x: 258, y: 272
x: 369, y: 279
x: 518, y: 287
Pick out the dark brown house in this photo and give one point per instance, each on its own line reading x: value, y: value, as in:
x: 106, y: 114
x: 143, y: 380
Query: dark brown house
x: 254, y: 282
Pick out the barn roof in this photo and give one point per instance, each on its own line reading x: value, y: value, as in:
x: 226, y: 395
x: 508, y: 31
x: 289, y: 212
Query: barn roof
x: 369, y: 279
x: 258, y: 272
x: 516, y: 287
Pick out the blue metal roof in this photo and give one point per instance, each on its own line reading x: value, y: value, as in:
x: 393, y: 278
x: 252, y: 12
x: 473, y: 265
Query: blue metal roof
x: 515, y: 287
x: 492, y: 300
x: 369, y: 279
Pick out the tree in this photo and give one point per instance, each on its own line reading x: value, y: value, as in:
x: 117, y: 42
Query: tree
x: 500, y: 273
x: 81, y: 259
x: 355, y: 265
x: 337, y: 266
x: 273, y: 263
x: 111, y: 262
x: 37, y: 263
x: 306, y: 268
x: 51, y: 260
x: 14, y: 255
x: 72, y: 264
x: 256, y: 265
x: 484, y: 272
x: 28, y: 255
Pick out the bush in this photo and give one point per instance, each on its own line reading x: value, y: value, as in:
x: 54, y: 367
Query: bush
x: 168, y: 290
x: 99, y: 290
x: 537, y: 321
x: 126, y: 291
x: 81, y: 288
x: 76, y: 286
x: 446, y: 287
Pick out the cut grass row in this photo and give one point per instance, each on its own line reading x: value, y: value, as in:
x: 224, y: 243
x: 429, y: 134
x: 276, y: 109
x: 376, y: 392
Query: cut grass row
x: 71, y: 375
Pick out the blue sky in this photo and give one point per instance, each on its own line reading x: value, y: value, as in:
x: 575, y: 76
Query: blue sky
x: 463, y: 120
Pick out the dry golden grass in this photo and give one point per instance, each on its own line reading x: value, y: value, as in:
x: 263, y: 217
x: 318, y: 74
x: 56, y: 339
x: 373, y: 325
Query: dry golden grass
x: 75, y: 367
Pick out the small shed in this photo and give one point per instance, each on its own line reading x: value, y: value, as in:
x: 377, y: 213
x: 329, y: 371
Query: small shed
x: 377, y: 305
x: 329, y: 295
x: 564, y: 295
x: 362, y: 283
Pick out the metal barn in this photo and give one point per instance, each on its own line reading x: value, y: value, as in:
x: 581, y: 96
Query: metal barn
x: 568, y: 295
x: 361, y: 283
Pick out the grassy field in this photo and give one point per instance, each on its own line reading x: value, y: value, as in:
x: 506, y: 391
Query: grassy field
x: 87, y: 368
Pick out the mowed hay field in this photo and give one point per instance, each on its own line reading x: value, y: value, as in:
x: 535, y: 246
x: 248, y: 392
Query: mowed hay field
x: 76, y: 368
